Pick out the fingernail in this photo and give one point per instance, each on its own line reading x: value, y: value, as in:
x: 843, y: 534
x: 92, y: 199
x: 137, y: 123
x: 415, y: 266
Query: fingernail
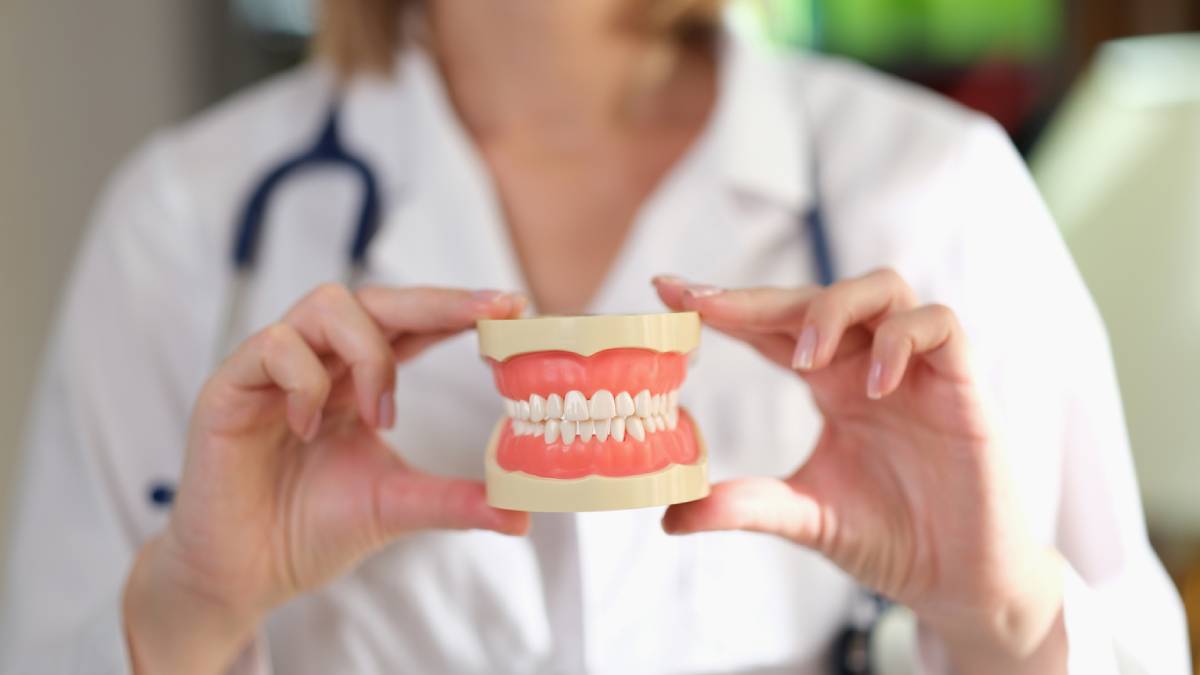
x: 875, y: 381
x: 806, y: 349
x: 314, y: 426
x: 697, y: 291
x: 487, y: 295
x: 387, y: 410
x: 669, y: 279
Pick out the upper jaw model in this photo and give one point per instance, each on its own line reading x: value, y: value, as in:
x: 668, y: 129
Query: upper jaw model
x: 591, y: 414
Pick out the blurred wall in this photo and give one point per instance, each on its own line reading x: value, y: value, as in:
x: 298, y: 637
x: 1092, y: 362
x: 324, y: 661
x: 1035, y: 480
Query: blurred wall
x: 80, y: 84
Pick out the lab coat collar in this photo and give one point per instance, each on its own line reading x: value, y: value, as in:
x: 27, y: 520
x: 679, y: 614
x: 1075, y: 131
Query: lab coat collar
x: 759, y: 123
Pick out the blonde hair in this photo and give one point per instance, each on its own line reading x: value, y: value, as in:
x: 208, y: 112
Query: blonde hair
x: 362, y: 35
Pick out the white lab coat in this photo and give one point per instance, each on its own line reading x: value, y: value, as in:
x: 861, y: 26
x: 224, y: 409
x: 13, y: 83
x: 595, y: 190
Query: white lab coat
x: 906, y: 180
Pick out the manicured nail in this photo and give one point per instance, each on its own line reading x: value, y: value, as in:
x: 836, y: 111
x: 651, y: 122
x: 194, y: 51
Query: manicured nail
x: 314, y: 426
x: 806, y: 349
x: 697, y: 291
x: 875, y: 381
x: 387, y: 410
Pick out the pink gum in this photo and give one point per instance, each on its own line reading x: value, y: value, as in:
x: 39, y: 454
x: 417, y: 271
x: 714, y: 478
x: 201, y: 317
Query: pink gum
x: 616, y: 370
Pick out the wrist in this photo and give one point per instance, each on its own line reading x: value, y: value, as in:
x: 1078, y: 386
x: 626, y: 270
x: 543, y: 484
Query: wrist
x: 170, y: 628
x: 1022, y: 631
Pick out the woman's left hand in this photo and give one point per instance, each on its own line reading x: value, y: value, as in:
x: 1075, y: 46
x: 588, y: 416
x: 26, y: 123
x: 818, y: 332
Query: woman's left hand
x: 907, y: 489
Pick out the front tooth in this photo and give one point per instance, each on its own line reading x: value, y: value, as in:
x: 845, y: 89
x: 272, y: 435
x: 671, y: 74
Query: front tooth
x: 510, y: 407
x: 641, y: 403
x: 656, y: 404
x: 634, y: 426
x: 551, y: 432
x: 650, y: 423
x: 624, y: 404
x: 554, y: 407
x: 603, y: 406
x: 618, y: 429
x: 537, y: 408
x: 603, y: 427
x: 586, y: 430
x: 575, y: 406
x: 567, y: 431
x: 523, y: 410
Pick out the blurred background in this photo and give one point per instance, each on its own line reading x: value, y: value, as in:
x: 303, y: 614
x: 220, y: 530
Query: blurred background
x: 1102, y: 97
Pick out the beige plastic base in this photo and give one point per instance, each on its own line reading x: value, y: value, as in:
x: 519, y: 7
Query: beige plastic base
x: 520, y: 491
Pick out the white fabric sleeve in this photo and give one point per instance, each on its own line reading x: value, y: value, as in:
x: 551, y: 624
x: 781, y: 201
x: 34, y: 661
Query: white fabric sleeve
x: 109, y: 419
x: 1042, y: 340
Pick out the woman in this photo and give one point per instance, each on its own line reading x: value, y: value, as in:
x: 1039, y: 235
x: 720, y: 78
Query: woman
x: 571, y: 151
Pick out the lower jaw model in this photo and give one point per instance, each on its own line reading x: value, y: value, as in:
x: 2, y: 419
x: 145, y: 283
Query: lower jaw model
x: 592, y: 420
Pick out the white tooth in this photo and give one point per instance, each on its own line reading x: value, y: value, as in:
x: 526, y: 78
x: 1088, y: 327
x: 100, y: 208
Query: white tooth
x: 634, y: 426
x: 523, y: 410
x: 672, y: 418
x: 586, y: 430
x: 537, y: 408
x: 602, y: 429
x: 554, y: 407
x: 537, y: 429
x: 673, y: 399
x: 641, y: 403
x: 510, y: 407
x: 624, y: 404
x: 602, y: 406
x: 651, y: 424
x: 618, y: 428
x: 567, y: 431
x: 518, y: 428
x: 656, y: 404
x: 551, y: 432
x: 661, y: 422
x: 575, y: 406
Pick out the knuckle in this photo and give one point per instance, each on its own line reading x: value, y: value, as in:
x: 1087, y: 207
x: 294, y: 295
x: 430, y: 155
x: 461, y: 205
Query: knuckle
x: 275, y: 337
x: 941, y: 313
x: 889, y: 276
x: 328, y: 295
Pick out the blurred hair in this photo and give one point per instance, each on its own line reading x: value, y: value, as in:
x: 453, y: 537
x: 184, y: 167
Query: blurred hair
x: 362, y: 35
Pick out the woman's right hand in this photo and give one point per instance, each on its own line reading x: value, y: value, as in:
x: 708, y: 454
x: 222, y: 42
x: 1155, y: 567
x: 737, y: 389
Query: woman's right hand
x: 286, y: 482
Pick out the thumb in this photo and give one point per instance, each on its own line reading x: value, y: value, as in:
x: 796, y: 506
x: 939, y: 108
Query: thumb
x: 410, y: 500
x: 765, y: 505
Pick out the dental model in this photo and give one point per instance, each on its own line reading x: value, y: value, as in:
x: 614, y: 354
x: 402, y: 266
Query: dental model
x: 591, y: 413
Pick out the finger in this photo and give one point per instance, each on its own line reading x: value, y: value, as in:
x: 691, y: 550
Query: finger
x: 277, y: 356
x: 931, y: 333
x: 412, y: 500
x: 830, y: 313
x: 332, y: 321
x: 445, y: 311
x: 754, y: 504
x: 748, y: 309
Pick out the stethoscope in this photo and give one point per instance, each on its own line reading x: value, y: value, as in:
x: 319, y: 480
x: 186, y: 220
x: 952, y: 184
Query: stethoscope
x: 851, y: 653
